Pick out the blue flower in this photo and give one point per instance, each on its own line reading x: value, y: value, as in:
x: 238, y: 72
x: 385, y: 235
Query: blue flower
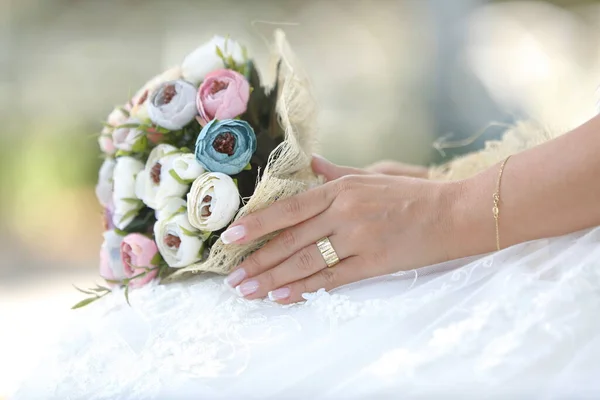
x: 225, y: 146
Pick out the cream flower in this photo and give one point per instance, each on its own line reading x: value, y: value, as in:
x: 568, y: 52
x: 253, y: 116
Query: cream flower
x: 178, y: 242
x: 213, y: 201
x: 157, y: 183
x: 204, y: 59
x: 126, y: 204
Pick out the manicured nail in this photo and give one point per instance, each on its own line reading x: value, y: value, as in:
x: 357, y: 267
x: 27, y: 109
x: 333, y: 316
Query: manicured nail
x: 247, y: 288
x: 279, y: 294
x: 233, y: 234
x: 234, y: 278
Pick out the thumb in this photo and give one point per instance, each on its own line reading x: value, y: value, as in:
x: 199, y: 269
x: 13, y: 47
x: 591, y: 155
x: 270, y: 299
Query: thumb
x: 331, y: 171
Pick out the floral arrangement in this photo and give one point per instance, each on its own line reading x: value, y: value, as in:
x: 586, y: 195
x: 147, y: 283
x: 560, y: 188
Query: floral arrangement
x: 179, y: 159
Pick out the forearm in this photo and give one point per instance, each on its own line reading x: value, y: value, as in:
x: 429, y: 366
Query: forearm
x: 546, y: 191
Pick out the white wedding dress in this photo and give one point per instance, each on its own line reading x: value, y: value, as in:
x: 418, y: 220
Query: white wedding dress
x: 520, y: 323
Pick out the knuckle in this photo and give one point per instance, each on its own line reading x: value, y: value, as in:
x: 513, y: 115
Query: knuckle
x: 253, y: 264
x: 305, y: 260
x: 269, y: 279
x: 256, y: 223
x: 329, y: 276
x: 345, y: 205
x: 292, y: 207
x: 379, y: 257
x: 288, y: 239
x: 347, y: 183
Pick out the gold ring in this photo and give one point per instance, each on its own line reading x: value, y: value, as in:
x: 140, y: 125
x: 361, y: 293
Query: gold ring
x: 329, y: 255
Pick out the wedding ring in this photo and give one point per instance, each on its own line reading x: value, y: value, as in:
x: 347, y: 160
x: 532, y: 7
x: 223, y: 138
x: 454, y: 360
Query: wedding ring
x: 329, y: 255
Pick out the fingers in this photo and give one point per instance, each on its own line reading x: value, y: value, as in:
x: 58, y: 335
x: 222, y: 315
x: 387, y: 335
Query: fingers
x: 280, y: 248
x: 330, y: 171
x: 399, y: 169
x: 349, y: 270
x: 280, y: 215
x: 304, y: 263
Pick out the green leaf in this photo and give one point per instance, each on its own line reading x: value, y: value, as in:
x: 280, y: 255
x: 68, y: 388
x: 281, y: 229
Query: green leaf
x: 121, y: 153
x: 83, y: 291
x: 156, y: 259
x: 187, y: 232
x: 100, y: 289
x: 160, y: 129
x: 179, y: 179
x: 205, y: 235
x: 120, y: 232
x: 127, y: 295
x: 163, y: 271
x: 220, y: 53
x: 140, y: 145
x: 128, y: 125
x: 185, y: 150
x: 131, y: 200
x: 248, y: 167
x: 245, y: 53
x: 107, y: 125
x: 235, y: 181
x: 123, y: 110
x: 129, y: 214
x: 181, y: 210
x: 170, y: 153
x: 84, y: 303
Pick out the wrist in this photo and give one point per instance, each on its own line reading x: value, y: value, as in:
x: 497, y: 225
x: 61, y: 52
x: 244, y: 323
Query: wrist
x: 471, y: 218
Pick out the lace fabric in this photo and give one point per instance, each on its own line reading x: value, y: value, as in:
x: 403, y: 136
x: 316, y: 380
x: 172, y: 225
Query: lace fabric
x: 521, y: 322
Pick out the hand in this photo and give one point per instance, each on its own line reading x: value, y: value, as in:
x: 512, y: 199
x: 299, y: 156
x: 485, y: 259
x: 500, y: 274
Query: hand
x: 377, y: 224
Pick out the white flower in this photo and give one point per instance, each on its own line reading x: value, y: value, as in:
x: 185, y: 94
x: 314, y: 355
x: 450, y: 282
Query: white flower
x: 205, y: 59
x: 213, y: 201
x: 116, y: 117
x: 178, y: 242
x: 111, y: 265
x: 125, y: 138
x: 174, y: 205
x: 173, y: 104
x: 104, y: 187
x: 156, y: 183
x: 187, y: 167
x: 139, y: 101
x: 124, y: 199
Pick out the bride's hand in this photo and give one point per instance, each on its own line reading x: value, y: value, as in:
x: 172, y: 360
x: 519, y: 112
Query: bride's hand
x: 377, y: 224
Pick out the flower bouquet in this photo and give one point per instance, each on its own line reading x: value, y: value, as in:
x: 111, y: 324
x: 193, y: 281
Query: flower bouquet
x: 196, y: 147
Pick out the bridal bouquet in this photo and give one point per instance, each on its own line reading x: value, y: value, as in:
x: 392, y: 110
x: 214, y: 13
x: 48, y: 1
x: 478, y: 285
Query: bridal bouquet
x: 185, y: 155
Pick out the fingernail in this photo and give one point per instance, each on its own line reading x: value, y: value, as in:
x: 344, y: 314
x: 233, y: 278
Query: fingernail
x: 233, y: 234
x: 234, y: 278
x: 247, y: 288
x: 279, y: 294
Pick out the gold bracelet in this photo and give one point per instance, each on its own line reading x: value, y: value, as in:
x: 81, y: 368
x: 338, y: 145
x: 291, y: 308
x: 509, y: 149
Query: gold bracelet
x: 496, y: 208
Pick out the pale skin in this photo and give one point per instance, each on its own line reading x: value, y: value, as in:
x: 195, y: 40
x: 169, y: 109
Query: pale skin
x: 388, y: 218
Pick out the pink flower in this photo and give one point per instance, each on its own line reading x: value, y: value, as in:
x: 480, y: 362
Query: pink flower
x: 137, y: 252
x: 224, y: 94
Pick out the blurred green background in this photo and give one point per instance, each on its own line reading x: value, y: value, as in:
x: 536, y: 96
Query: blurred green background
x: 390, y: 76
